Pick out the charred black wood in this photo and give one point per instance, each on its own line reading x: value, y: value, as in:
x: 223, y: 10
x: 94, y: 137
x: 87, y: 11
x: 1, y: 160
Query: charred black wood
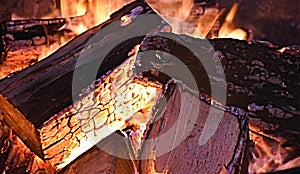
x: 238, y: 163
x: 259, y: 79
x: 27, y: 29
x: 262, y: 82
x: 44, y: 89
x: 16, y: 30
x: 37, y: 31
x: 2, y: 46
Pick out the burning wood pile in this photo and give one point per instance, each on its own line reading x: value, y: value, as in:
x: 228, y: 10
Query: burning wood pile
x: 145, y: 90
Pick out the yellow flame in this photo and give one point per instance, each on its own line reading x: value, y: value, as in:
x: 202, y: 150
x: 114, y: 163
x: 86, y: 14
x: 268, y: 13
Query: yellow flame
x: 72, y: 8
x: 206, y: 22
x: 84, y: 14
x: 80, y: 15
x: 228, y: 30
x: 174, y: 8
x: 175, y: 12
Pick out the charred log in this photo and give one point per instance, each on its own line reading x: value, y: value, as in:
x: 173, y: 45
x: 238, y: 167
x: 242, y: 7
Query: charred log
x: 255, y: 73
x: 262, y: 82
x: 16, y: 122
x: 46, y: 88
x: 28, y: 29
x: 260, y: 79
x: 112, y: 104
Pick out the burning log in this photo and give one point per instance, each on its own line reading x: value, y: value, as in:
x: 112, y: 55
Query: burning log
x: 28, y: 29
x: 261, y: 84
x: 43, y: 82
x: 23, y: 42
x: 269, y: 77
x: 264, y: 88
x: 115, y: 101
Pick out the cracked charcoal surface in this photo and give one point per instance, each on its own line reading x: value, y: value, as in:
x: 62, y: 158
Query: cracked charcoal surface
x: 255, y: 74
x: 114, y: 100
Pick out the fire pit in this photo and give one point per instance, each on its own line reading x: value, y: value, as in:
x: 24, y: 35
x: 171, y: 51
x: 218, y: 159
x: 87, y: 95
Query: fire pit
x: 148, y: 87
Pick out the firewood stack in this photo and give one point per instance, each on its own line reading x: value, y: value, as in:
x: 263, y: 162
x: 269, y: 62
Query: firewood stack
x: 48, y: 125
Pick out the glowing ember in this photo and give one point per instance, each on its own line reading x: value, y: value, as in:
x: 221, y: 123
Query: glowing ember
x: 282, y: 50
x: 119, y: 100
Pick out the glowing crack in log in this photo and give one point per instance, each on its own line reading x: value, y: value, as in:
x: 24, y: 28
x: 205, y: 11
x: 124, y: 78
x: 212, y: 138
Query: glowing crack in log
x: 118, y: 100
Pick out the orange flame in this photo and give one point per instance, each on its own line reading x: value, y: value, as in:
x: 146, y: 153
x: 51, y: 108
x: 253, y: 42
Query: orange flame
x: 81, y: 15
x: 228, y: 29
x: 268, y: 154
x: 177, y: 14
x: 84, y: 14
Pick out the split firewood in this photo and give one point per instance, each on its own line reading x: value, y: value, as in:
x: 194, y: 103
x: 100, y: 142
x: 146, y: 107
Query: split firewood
x: 113, y: 103
x: 262, y: 83
x: 49, y: 83
x: 177, y: 131
x: 43, y: 90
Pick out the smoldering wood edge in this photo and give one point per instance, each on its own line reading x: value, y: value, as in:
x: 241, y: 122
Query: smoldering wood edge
x: 21, y: 126
x: 236, y: 156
